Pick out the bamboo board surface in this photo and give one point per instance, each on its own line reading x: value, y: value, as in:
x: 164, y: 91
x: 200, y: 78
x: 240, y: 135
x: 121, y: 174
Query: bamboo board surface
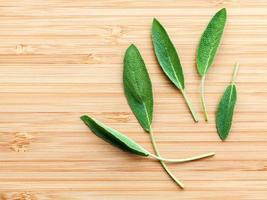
x: 60, y: 59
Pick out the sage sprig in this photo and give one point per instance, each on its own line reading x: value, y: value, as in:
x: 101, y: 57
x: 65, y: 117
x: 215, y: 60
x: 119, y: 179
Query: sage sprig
x: 114, y: 137
x: 137, y: 87
x: 138, y: 91
x: 169, y: 61
x: 225, y: 111
x: 127, y: 144
x: 208, y: 45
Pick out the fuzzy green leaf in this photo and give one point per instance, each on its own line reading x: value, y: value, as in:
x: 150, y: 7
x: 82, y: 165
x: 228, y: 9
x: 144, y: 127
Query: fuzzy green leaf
x: 166, y: 55
x: 137, y: 87
x: 225, y: 111
x: 114, y: 137
x: 210, y: 42
x: 169, y: 61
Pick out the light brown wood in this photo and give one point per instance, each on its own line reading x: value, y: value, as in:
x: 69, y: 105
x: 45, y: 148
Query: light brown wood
x: 60, y: 59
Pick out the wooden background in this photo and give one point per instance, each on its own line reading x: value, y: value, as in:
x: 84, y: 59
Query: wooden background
x: 61, y: 58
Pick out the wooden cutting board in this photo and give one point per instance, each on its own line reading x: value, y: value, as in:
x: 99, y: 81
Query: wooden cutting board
x: 61, y: 59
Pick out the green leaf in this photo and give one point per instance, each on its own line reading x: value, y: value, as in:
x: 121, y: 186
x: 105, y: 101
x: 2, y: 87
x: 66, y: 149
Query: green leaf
x: 114, y: 137
x: 166, y: 55
x: 137, y: 87
x: 169, y: 61
x: 225, y: 111
x: 210, y: 42
x: 125, y: 143
x: 208, y: 45
x: 138, y: 91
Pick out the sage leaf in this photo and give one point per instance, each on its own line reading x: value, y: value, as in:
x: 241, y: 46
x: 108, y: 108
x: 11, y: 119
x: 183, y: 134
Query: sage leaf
x: 169, y: 60
x: 127, y: 144
x: 138, y: 91
x: 207, y: 48
x: 114, y: 137
x: 210, y: 41
x: 137, y: 87
x: 225, y: 111
x: 167, y: 55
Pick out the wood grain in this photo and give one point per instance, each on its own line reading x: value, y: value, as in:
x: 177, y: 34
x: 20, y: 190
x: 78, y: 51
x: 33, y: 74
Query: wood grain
x: 60, y: 59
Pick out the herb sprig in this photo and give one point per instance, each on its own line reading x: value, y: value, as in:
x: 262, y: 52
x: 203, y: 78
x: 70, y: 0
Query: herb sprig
x: 139, y: 94
x: 207, y: 48
x: 225, y: 111
x: 169, y: 61
x: 127, y: 144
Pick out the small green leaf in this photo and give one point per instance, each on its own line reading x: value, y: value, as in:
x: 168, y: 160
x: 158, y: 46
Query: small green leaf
x: 137, y: 87
x: 169, y: 61
x: 125, y: 143
x: 225, y: 111
x: 114, y: 137
x: 167, y: 55
x: 210, y: 42
x: 207, y: 48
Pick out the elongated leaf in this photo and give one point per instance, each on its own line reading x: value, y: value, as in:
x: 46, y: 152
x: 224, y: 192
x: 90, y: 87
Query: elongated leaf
x: 137, y: 87
x: 225, y: 112
x: 138, y: 91
x: 113, y: 136
x: 210, y: 42
x: 166, y: 54
x: 169, y: 61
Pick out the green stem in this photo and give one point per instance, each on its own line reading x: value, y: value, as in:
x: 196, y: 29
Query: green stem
x: 171, y: 175
x: 190, y: 106
x: 183, y: 159
x: 203, y: 98
x: 235, y: 73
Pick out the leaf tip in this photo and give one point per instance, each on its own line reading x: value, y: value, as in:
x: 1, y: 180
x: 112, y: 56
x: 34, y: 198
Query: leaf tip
x: 223, y: 12
x: 85, y: 118
x: 155, y: 22
x: 132, y: 47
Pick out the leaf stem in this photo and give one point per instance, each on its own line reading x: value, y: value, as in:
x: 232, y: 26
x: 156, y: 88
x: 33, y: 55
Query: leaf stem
x: 235, y: 73
x: 183, y: 159
x: 203, y: 98
x: 171, y: 175
x: 190, y: 106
